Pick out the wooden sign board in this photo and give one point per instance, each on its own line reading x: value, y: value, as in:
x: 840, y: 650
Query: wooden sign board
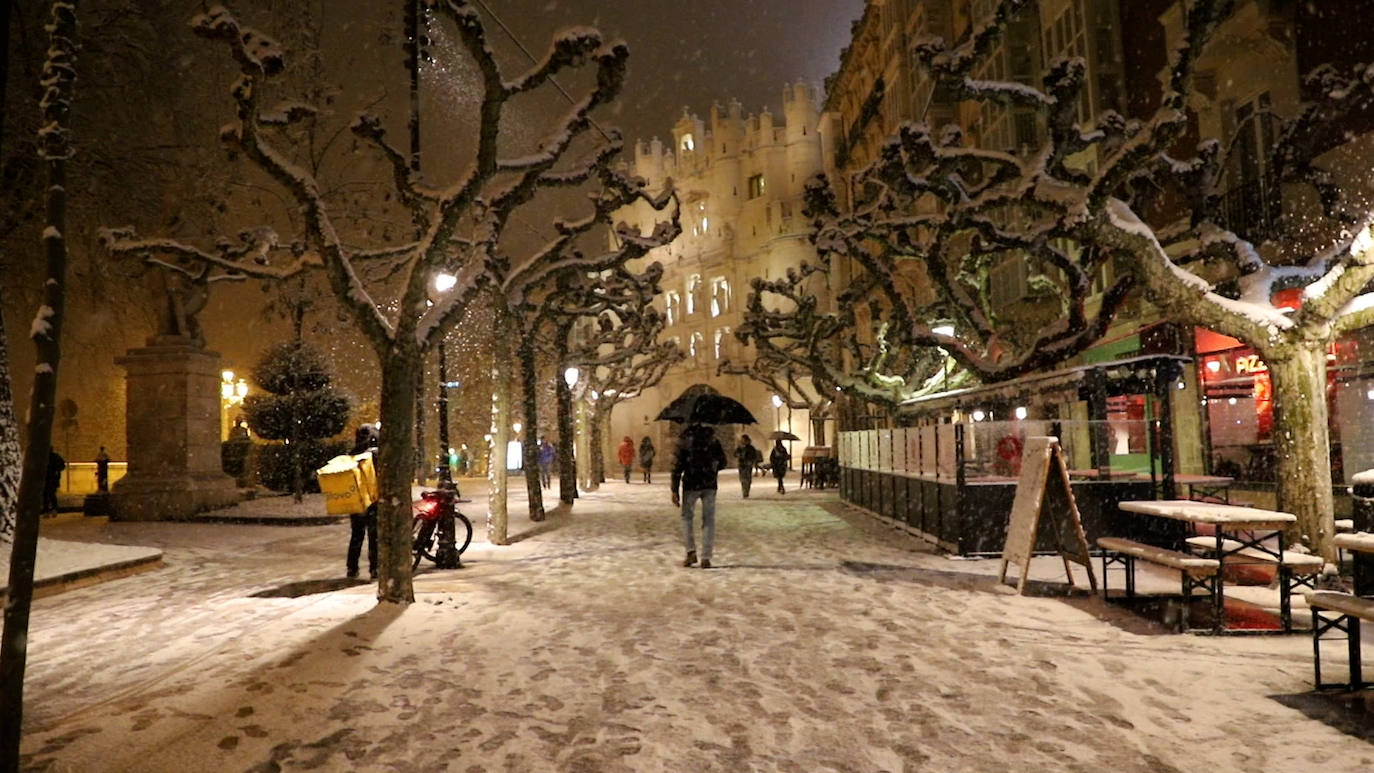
x: 1044, y: 485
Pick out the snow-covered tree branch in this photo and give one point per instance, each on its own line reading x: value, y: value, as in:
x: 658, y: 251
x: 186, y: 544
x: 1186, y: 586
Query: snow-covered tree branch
x: 456, y: 226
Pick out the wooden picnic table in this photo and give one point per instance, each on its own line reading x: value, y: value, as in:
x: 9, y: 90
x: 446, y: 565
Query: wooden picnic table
x: 1239, y: 533
x: 1362, y: 566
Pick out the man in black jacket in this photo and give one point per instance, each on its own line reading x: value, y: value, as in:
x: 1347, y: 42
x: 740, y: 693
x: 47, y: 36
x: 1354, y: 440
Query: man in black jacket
x: 700, y: 458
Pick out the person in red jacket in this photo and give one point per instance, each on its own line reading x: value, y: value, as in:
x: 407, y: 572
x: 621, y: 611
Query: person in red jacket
x: 626, y: 453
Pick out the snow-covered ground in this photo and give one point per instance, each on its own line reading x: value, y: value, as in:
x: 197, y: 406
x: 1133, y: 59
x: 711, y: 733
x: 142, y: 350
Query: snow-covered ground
x: 821, y: 642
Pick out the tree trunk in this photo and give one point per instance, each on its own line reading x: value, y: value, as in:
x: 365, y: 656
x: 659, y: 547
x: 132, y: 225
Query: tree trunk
x: 1302, y: 442
x: 498, y: 526
x: 529, y: 385
x: 420, y: 460
x: 597, y: 474
x: 394, y: 471
x: 11, y: 454
x: 818, y: 431
x: 567, y: 469
x: 58, y: 76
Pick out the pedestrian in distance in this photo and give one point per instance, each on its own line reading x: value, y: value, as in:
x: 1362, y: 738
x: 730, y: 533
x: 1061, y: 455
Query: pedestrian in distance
x: 646, y: 458
x: 363, y: 524
x: 626, y: 453
x: 102, y: 471
x: 778, y: 460
x: 747, y: 457
x: 698, y: 462
x: 464, y: 459
x: 546, y: 457
x: 52, y: 479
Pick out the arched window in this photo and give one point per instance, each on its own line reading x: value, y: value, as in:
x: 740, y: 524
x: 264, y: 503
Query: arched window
x: 720, y: 296
x: 672, y: 306
x: 722, y: 340
x: 688, y: 143
x: 693, y: 292
x: 698, y: 342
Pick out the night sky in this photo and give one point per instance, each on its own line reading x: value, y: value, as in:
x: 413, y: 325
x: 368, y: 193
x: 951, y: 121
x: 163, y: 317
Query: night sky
x: 689, y: 53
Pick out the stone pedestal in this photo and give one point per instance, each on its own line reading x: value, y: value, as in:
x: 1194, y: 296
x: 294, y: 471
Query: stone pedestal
x: 172, y: 426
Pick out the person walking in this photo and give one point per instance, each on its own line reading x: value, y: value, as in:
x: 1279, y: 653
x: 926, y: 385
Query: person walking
x: 464, y: 459
x: 747, y: 457
x: 778, y: 461
x: 546, y: 456
x: 363, y: 524
x: 646, y: 458
x: 698, y: 461
x: 102, y: 471
x: 626, y: 453
x: 52, y: 479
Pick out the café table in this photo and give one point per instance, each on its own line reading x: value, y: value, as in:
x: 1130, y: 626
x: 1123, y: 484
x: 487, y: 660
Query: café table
x: 1240, y: 532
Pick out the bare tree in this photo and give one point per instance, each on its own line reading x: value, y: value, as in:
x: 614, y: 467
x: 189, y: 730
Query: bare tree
x: 797, y: 389
x: 607, y: 328
x: 943, y: 210
x: 459, y: 225
x: 58, y: 79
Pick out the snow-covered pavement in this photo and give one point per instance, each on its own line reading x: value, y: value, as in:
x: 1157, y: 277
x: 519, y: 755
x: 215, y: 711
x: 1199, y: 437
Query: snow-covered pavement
x: 821, y: 642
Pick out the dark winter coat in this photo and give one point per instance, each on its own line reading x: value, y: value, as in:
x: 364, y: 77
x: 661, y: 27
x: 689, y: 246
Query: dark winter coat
x: 747, y: 456
x: 700, y: 458
x: 646, y: 454
x: 778, y: 461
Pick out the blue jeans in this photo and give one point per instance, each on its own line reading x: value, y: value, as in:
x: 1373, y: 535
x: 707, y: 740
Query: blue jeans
x: 708, y: 521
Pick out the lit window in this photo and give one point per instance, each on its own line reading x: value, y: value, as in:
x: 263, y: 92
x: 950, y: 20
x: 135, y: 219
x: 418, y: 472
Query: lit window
x: 688, y: 143
x: 698, y: 342
x: 721, y: 335
x: 756, y: 186
x: 693, y: 288
x: 672, y: 302
x: 720, y: 296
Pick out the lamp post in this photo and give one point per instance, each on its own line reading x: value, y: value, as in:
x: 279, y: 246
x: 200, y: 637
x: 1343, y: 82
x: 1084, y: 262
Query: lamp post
x: 944, y: 330
x: 567, y: 438
x: 231, y: 391
x: 581, y: 461
x: 443, y: 283
x: 446, y: 553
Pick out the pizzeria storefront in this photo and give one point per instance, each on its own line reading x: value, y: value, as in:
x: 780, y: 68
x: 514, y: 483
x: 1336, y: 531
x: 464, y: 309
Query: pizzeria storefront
x: 1238, y: 407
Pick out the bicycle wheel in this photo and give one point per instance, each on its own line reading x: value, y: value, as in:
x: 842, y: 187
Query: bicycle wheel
x: 422, y: 543
x: 462, y: 529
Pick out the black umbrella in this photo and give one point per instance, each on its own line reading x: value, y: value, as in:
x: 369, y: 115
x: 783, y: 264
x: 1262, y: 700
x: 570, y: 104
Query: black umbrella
x: 781, y: 435
x: 699, y: 406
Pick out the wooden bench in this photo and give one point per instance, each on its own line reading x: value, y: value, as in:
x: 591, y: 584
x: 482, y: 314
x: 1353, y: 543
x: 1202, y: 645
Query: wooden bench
x: 1197, y: 572
x: 1296, y: 570
x: 1349, y: 611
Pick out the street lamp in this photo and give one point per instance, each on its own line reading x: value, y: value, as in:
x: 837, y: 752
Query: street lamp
x: 446, y: 554
x: 777, y: 412
x: 231, y: 392
x: 943, y: 330
x: 443, y: 283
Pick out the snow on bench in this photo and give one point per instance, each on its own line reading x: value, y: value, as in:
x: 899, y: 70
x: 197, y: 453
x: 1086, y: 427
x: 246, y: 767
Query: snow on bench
x: 1193, y: 565
x: 1345, y: 603
x: 1350, y: 610
x: 1360, y: 541
x: 1299, y: 563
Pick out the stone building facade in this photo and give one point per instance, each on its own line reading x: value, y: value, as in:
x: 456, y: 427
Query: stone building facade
x: 1253, y: 68
x: 740, y: 179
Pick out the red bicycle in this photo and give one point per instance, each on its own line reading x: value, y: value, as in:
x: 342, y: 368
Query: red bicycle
x: 424, y: 527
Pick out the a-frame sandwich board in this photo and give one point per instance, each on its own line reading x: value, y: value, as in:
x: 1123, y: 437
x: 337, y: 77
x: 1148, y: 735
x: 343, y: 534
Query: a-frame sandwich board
x: 1044, y: 484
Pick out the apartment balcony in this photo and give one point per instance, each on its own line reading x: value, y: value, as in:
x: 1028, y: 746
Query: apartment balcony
x: 1253, y: 211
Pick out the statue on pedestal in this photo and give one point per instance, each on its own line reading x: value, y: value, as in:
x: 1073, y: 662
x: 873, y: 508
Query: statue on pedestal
x: 188, y: 290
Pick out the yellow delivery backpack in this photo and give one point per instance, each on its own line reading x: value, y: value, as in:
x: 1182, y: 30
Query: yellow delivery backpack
x: 346, y: 487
